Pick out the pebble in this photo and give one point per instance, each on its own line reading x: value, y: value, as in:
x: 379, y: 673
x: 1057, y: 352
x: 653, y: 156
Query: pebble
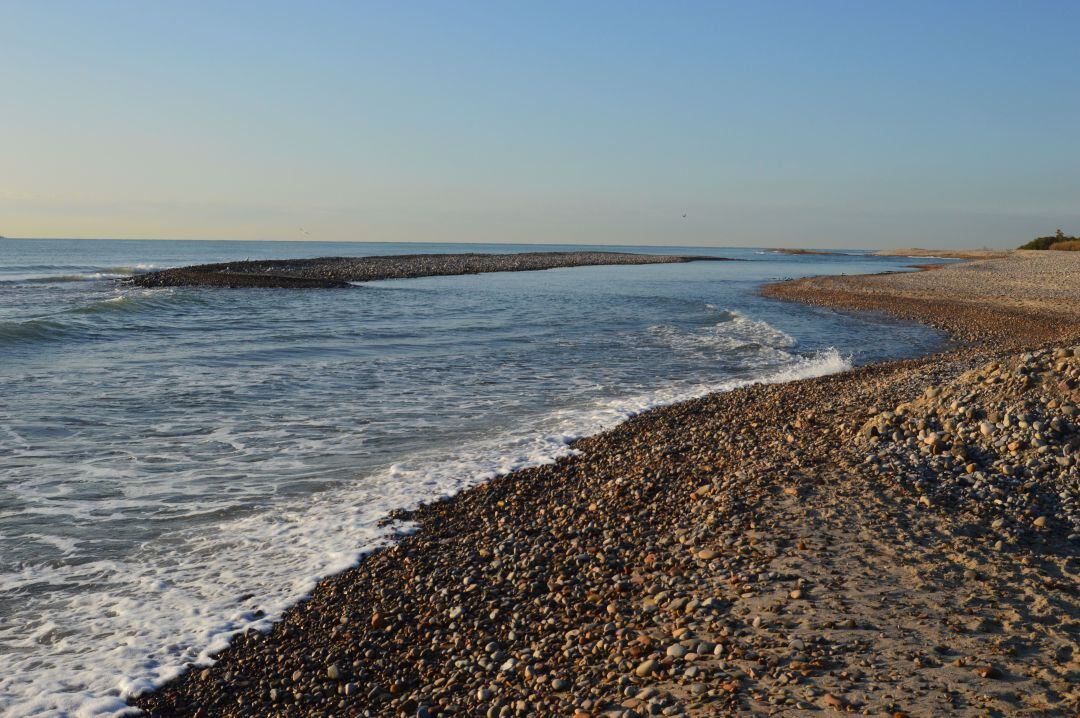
x: 646, y: 668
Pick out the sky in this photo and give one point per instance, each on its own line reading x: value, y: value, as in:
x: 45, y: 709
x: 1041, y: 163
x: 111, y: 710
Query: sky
x: 800, y: 124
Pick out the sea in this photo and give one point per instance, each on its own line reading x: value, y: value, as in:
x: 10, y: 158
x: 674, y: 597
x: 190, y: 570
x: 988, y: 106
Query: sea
x: 179, y: 465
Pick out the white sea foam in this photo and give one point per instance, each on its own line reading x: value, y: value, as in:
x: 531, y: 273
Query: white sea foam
x: 46, y: 277
x: 736, y: 332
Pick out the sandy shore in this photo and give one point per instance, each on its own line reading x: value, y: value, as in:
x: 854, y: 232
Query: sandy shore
x: 1034, y: 293
x: 336, y: 272
x: 901, y: 539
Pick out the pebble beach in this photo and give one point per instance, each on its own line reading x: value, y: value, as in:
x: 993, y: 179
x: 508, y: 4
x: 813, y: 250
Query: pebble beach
x: 902, y: 539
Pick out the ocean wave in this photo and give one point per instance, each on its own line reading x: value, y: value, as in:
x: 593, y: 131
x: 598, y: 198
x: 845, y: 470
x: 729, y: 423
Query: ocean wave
x: 133, y: 268
x: 134, y: 301
x: 734, y: 333
x: 78, y: 323
x: 57, y: 278
x: 32, y: 331
x: 93, y: 275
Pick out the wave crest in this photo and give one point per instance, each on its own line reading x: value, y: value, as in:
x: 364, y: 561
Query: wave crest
x: 94, y: 275
x: 735, y: 332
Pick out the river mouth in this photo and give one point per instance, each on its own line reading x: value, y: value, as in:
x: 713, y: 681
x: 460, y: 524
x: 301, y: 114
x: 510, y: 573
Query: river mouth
x: 177, y: 465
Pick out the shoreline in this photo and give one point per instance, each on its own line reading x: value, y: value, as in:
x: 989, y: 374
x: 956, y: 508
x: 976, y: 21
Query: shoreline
x: 919, y: 253
x: 965, y: 304
x: 341, y: 272
x: 711, y: 556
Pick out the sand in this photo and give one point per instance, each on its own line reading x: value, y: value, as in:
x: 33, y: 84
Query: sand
x: 899, y: 540
x: 944, y: 253
x: 1034, y: 292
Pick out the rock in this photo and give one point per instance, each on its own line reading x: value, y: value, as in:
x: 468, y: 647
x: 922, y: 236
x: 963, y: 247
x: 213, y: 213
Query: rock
x: 645, y: 668
x: 833, y: 702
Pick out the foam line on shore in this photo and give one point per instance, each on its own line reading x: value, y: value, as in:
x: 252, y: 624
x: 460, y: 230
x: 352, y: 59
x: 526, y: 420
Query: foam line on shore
x: 347, y: 527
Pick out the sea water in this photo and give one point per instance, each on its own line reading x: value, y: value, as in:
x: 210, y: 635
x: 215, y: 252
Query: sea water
x: 177, y: 465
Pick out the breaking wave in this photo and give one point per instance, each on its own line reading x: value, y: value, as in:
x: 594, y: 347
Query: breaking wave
x: 78, y: 323
x: 27, y: 275
x: 734, y: 333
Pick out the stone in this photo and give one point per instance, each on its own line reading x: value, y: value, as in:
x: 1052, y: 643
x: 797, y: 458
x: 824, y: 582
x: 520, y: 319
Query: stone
x: 646, y: 668
x: 832, y: 701
x: 986, y: 672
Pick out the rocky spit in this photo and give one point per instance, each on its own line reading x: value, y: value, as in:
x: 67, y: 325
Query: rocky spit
x: 897, y: 540
x: 336, y: 272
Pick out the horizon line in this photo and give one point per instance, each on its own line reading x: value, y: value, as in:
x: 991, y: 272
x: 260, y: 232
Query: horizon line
x: 541, y: 244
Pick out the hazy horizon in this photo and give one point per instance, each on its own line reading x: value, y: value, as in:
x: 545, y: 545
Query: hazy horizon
x: 836, y: 125
x: 553, y: 244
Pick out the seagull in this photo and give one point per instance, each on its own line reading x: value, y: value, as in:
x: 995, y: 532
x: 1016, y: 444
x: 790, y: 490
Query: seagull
x: 305, y: 232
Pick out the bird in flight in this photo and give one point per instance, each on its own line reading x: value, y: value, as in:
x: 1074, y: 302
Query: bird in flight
x: 684, y: 215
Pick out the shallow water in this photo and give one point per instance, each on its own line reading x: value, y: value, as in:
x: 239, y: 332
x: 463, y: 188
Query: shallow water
x: 180, y: 464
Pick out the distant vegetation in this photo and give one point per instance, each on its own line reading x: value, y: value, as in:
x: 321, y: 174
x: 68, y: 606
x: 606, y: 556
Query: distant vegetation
x: 1059, y: 241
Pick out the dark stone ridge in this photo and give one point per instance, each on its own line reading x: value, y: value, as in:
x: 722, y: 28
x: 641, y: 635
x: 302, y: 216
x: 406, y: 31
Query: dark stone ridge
x: 333, y: 272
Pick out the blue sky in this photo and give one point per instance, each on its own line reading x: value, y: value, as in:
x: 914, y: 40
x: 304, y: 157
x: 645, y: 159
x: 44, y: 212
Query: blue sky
x: 823, y: 124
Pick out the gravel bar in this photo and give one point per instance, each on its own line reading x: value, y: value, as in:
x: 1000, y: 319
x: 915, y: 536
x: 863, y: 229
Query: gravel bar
x: 334, y: 272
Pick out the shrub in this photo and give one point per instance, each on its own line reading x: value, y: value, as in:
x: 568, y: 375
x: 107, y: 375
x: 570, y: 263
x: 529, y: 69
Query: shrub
x: 1071, y: 245
x: 1047, y: 242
